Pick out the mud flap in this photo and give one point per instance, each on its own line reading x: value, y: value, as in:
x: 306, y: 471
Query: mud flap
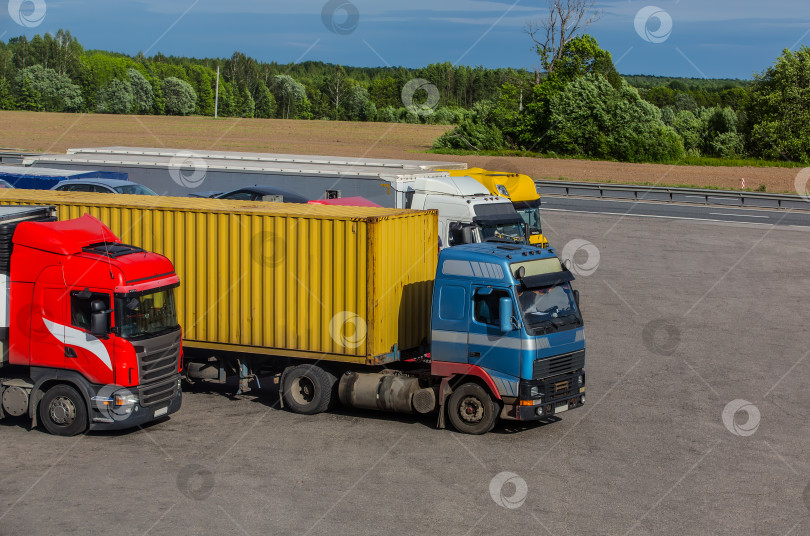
x: 444, y: 391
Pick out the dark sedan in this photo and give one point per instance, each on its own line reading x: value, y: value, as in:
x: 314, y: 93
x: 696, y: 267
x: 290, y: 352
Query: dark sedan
x: 256, y: 193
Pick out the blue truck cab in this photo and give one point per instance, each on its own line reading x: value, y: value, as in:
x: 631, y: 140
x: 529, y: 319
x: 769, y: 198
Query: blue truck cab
x: 505, y: 319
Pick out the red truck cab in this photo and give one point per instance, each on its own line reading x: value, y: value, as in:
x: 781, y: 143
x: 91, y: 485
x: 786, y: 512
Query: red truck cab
x: 93, y: 338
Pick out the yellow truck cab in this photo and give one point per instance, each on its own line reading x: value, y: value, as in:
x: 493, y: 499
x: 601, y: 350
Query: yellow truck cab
x: 516, y: 187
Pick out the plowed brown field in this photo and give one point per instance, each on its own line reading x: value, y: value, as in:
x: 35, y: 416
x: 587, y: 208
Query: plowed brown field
x: 53, y: 132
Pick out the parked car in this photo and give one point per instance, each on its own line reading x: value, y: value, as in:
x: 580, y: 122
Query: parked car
x: 256, y: 193
x: 104, y: 186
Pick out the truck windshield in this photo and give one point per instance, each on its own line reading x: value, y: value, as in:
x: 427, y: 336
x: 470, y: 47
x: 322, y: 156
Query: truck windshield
x: 499, y: 221
x: 530, y: 212
x: 146, y: 314
x: 549, y: 308
x: 502, y: 231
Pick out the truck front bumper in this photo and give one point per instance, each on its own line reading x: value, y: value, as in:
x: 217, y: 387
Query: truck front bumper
x: 543, y: 411
x: 103, y: 418
x: 542, y: 399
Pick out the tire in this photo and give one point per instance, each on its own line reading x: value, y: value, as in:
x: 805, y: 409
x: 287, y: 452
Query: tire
x: 471, y: 410
x: 62, y: 411
x: 309, y: 389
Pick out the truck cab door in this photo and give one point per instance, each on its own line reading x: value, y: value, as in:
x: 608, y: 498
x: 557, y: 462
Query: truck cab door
x: 449, y: 322
x: 91, y: 356
x: 489, y: 347
x: 48, y: 313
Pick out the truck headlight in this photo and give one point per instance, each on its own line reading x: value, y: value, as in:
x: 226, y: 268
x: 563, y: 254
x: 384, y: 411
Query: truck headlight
x: 581, y: 379
x: 125, y: 398
x: 534, y: 392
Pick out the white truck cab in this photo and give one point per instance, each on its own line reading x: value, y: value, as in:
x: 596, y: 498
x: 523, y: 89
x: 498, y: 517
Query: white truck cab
x: 468, y: 213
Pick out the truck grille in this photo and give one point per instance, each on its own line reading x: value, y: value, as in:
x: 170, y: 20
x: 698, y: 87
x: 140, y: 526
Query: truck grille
x: 561, y: 364
x: 157, y: 393
x: 158, y: 369
x: 159, y: 365
x: 562, y: 387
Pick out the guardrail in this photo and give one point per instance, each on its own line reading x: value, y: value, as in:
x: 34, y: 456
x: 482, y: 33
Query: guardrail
x: 669, y: 194
x: 14, y: 157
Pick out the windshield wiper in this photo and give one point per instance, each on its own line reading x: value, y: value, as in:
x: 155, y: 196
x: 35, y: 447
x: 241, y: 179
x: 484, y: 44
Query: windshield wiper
x: 574, y: 319
x: 548, y: 323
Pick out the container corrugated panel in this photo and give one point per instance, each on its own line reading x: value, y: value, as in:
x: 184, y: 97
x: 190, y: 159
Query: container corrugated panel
x: 313, y: 281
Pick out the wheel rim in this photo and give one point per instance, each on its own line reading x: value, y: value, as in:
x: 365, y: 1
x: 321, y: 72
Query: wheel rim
x: 471, y: 410
x: 62, y: 411
x: 303, y: 390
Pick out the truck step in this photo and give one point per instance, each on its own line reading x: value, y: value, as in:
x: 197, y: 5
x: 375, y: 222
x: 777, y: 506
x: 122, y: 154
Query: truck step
x: 17, y: 382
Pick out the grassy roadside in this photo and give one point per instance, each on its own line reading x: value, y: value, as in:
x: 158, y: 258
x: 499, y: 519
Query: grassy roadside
x: 761, y: 188
x: 686, y: 161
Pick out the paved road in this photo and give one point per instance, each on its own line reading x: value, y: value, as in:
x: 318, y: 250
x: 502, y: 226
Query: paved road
x: 645, y: 209
x: 686, y: 320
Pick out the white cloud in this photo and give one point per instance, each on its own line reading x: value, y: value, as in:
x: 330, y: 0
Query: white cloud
x: 314, y: 7
x: 691, y: 11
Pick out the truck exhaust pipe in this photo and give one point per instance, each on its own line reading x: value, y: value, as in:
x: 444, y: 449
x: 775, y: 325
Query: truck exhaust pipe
x: 386, y: 391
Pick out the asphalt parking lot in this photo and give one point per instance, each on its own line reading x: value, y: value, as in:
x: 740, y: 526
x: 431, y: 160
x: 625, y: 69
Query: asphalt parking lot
x: 696, y: 422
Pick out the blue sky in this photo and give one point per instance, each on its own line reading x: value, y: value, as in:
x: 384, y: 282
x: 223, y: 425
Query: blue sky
x: 711, y: 38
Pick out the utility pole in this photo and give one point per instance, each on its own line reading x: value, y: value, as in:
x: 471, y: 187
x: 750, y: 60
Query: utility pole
x: 216, y: 96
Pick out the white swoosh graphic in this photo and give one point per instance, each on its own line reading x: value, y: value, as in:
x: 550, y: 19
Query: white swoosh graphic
x: 75, y: 337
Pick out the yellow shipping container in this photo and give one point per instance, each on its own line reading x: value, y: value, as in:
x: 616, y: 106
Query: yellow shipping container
x: 348, y: 284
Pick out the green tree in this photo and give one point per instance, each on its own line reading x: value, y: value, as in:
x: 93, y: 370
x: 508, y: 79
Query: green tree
x: 471, y: 136
x: 66, y: 55
x: 289, y: 94
x: 28, y: 98
x: 336, y: 87
x: 142, y: 94
x: 320, y: 106
x: 566, y: 18
x: 358, y: 105
x: 159, y: 103
x: 779, y: 113
x: 265, y: 101
x: 227, y: 103
x: 6, y: 99
x: 684, y: 101
x: 57, y: 92
x: 387, y: 115
x: 202, y: 79
x: 690, y: 128
x: 99, y: 69
x: 592, y: 118
x: 581, y: 56
x: 115, y: 98
x: 385, y: 92
x: 179, y: 95
x: 721, y: 138
x: 533, y: 124
x: 247, y: 106
x: 7, y: 69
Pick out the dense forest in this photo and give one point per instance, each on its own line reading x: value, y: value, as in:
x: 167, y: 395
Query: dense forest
x: 55, y: 73
x: 583, y: 108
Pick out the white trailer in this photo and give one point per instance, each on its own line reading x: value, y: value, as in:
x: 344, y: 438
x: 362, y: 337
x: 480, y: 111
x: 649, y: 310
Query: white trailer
x: 467, y: 211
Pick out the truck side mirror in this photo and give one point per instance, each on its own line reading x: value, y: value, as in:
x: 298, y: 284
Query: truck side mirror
x: 83, y: 294
x: 466, y: 234
x: 505, y: 313
x: 576, y: 297
x: 99, y: 319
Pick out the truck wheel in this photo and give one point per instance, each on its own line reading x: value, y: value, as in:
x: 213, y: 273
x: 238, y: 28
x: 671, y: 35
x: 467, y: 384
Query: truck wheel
x: 309, y: 389
x: 471, y: 409
x: 62, y: 411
